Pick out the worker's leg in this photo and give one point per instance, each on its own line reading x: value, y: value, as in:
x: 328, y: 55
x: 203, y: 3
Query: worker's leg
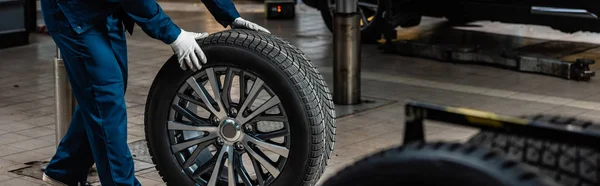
x: 99, y: 86
x: 73, y: 157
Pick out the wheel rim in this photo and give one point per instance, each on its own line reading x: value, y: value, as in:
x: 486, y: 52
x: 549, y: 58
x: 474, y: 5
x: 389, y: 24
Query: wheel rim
x: 366, y: 9
x: 247, y: 137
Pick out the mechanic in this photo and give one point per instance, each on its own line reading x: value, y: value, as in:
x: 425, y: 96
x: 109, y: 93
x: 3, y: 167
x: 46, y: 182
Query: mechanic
x: 91, y: 39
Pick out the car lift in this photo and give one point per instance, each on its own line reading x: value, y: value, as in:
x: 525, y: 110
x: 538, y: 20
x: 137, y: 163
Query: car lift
x: 416, y: 112
x: 519, y: 58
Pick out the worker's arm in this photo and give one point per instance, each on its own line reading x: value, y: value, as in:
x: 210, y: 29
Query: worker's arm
x: 149, y: 15
x: 224, y: 11
x: 151, y: 18
x: 226, y: 14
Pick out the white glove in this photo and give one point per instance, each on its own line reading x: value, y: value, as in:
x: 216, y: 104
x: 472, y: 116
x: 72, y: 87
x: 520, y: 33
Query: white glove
x: 188, y: 51
x: 242, y: 23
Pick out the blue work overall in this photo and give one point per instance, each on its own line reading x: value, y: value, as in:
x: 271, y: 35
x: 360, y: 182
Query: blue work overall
x: 91, y: 37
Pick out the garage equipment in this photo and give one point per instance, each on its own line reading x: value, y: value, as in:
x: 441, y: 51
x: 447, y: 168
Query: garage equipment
x: 516, y: 53
x: 417, y: 112
x: 64, y: 100
x: 280, y: 9
x: 13, y: 31
x: 346, y: 59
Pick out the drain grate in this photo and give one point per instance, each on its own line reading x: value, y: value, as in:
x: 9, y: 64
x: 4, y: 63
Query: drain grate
x: 35, y: 169
x: 142, y: 161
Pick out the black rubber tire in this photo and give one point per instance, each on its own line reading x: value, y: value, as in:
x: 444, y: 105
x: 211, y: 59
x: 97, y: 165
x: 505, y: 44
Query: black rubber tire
x: 369, y: 35
x: 326, y: 101
x: 437, y: 164
x: 567, y: 164
x: 283, y: 68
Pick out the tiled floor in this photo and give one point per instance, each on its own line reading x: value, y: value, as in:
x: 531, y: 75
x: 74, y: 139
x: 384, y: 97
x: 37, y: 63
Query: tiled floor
x: 27, y: 104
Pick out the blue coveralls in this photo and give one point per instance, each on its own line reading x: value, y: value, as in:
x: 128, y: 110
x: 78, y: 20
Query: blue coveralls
x: 91, y: 37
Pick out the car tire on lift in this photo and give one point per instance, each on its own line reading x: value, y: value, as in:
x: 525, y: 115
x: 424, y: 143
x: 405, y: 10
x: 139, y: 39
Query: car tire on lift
x: 567, y: 164
x: 285, y: 71
x: 437, y: 164
x: 369, y: 35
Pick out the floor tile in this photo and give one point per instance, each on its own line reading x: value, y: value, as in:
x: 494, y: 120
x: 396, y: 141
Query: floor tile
x: 15, y: 126
x: 6, y: 163
x: 27, y: 156
x: 36, y: 132
x: 18, y: 182
x: 9, y: 138
x: 31, y: 144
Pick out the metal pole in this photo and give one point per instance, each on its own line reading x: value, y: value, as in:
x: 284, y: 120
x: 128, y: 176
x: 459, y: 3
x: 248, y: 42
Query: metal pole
x: 64, y: 102
x: 346, y: 46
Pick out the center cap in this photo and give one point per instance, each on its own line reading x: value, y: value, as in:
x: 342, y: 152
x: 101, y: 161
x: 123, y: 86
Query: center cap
x: 230, y: 130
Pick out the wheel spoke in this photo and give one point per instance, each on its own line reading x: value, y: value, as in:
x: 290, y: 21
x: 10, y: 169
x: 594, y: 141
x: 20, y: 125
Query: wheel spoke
x: 173, y: 125
x: 269, y: 117
x: 282, y: 151
x: 256, y: 86
x: 264, y: 107
x: 363, y: 16
x: 187, y: 144
x: 242, y: 79
x: 205, y: 167
x: 204, y: 96
x: 231, y: 176
x: 241, y: 170
x: 215, y: 174
x: 258, y: 171
x: 189, y: 115
x: 195, y: 154
x: 216, y: 84
x: 274, y: 134
x: 192, y: 100
x: 226, y: 93
x: 265, y: 163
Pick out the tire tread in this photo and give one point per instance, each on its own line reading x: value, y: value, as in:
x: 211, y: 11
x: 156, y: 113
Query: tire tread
x: 567, y: 164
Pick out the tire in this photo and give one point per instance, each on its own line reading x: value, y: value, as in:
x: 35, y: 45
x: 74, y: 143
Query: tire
x: 297, y: 98
x: 369, y: 34
x: 437, y: 164
x: 328, y: 108
x: 567, y: 164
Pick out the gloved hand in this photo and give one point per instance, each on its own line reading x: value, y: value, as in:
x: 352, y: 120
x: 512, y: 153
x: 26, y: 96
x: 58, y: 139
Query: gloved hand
x: 242, y: 23
x: 188, y: 51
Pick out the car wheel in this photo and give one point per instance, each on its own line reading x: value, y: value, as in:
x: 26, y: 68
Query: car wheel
x: 370, y: 18
x: 256, y: 114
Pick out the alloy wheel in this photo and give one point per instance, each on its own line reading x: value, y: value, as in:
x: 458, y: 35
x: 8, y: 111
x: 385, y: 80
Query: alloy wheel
x: 241, y: 138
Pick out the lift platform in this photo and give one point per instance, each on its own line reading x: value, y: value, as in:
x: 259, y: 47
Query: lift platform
x: 564, y: 59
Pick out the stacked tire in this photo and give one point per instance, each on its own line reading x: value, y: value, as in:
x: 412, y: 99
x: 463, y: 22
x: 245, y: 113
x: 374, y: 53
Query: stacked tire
x: 569, y: 165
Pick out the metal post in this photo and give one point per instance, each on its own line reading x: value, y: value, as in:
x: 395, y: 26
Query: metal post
x: 64, y: 102
x: 346, y: 46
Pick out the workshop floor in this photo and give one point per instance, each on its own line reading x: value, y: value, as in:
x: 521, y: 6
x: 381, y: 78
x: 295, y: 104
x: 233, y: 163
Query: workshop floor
x: 27, y: 90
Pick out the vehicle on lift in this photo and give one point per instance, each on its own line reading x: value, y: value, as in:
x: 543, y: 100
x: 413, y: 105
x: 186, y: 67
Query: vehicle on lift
x: 379, y: 16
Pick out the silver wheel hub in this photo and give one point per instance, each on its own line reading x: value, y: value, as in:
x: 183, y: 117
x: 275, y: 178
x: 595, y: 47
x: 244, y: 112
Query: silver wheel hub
x: 230, y: 130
